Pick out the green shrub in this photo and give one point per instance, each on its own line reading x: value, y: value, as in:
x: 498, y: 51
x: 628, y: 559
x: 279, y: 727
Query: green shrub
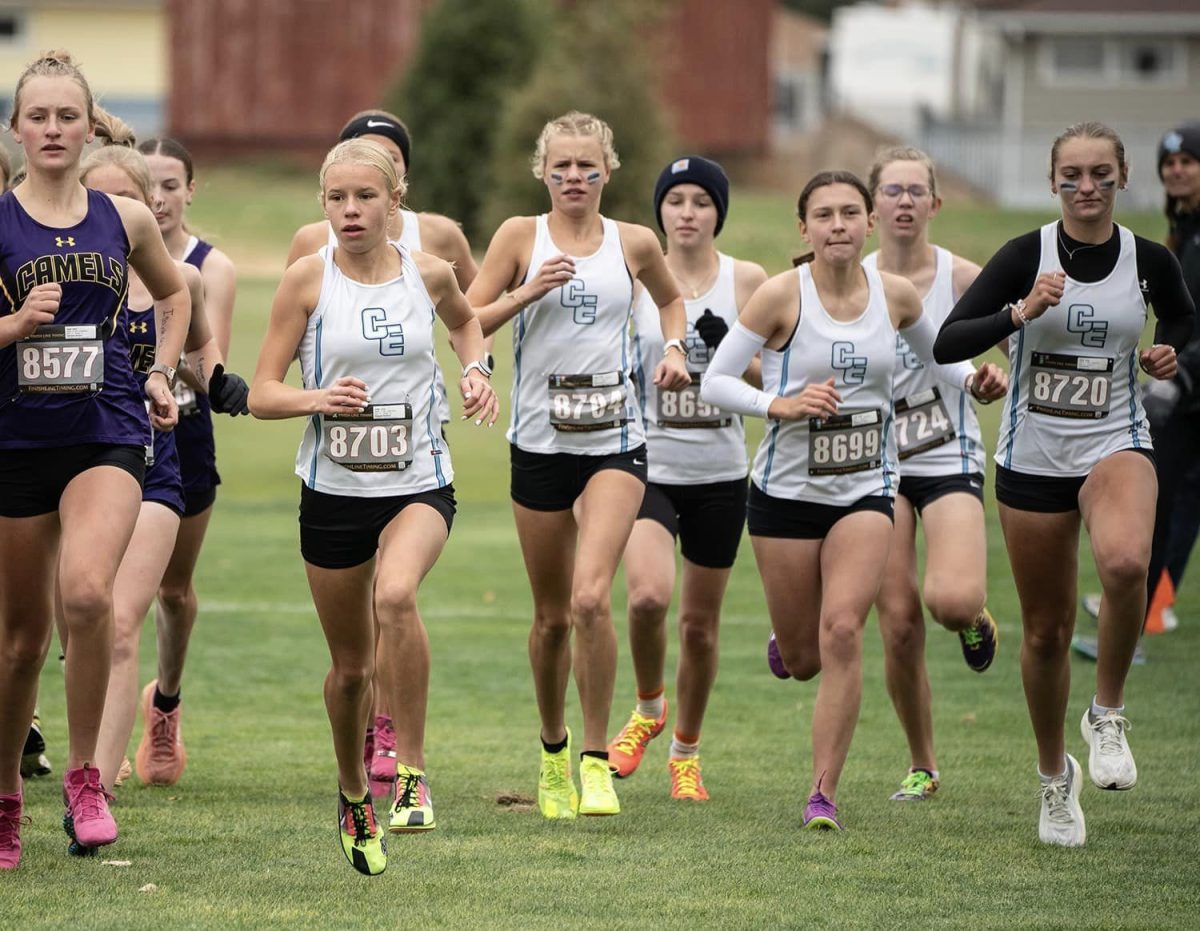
x: 601, y: 61
x: 470, y: 56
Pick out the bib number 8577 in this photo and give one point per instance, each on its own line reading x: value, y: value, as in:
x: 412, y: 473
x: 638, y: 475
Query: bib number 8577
x: 61, y: 365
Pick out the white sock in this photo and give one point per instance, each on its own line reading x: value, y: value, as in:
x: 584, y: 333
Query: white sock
x: 682, y: 751
x: 1048, y: 779
x: 651, y: 707
x: 1098, y: 711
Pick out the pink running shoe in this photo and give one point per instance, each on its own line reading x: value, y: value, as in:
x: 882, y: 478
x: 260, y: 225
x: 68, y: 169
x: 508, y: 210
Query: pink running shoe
x: 87, y: 807
x: 10, y: 831
x: 160, y: 754
x: 383, y: 764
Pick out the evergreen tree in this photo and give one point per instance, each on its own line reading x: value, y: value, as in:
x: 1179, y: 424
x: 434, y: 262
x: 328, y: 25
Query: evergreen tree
x: 470, y: 56
x: 601, y: 62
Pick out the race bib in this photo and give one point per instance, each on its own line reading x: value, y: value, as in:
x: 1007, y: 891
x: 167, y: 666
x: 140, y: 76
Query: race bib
x: 1078, y: 387
x: 582, y: 403
x: 685, y: 409
x: 922, y: 423
x: 60, y: 358
x: 850, y: 442
x: 377, y: 439
x: 185, y: 398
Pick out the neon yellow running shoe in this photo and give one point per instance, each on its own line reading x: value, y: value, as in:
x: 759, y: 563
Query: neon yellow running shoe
x: 362, y: 842
x: 685, y: 780
x: 918, y: 786
x: 557, y: 797
x: 413, y: 810
x: 599, y: 797
x: 629, y: 746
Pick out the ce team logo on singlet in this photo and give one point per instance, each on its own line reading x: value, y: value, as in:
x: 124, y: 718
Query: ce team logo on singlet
x: 390, y: 336
x: 852, y: 367
x: 576, y: 298
x: 910, y: 359
x: 1081, y: 320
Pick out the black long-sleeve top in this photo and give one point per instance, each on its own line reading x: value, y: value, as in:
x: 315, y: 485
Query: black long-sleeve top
x: 979, y: 320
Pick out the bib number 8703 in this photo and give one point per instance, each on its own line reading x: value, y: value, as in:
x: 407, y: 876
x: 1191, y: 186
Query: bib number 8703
x: 377, y: 440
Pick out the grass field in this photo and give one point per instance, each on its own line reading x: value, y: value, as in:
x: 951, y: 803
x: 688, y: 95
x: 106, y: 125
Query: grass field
x: 247, y: 839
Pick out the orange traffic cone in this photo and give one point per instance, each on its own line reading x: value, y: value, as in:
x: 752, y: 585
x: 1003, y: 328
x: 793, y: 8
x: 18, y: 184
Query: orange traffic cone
x: 1164, y: 597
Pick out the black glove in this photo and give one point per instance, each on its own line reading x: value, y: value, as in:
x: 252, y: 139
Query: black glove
x: 1160, y: 400
x: 712, y: 329
x: 228, y: 392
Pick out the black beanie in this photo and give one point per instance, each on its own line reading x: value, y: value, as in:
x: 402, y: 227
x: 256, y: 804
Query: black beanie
x: 378, y: 124
x: 694, y: 169
x: 1185, y: 138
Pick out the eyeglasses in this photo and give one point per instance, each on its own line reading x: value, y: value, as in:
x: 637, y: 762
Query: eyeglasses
x: 894, y: 191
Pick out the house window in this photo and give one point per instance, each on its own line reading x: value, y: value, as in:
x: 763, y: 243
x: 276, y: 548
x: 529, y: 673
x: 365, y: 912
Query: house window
x: 12, y: 28
x: 1114, y: 62
x: 1079, y: 58
x: 1149, y: 61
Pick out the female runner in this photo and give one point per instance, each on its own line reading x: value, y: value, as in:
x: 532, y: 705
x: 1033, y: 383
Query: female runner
x: 1074, y: 445
x: 697, y: 478
x: 120, y: 171
x: 73, y: 426
x: 941, y: 471
x: 567, y: 278
x: 376, y: 500
x: 824, y: 477
x: 388, y: 745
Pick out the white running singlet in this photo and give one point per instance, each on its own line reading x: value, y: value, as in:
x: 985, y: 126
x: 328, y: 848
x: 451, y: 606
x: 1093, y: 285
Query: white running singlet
x: 937, y: 432
x: 410, y: 236
x: 689, y: 441
x: 849, y: 456
x: 1073, y: 396
x: 572, y: 360
x: 382, y: 334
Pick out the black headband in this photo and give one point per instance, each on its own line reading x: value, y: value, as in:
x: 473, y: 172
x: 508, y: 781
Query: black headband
x: 374, y: 124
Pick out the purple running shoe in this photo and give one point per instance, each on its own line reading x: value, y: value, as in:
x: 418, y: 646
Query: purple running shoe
x: 820, y: 814
x: 775, y: 661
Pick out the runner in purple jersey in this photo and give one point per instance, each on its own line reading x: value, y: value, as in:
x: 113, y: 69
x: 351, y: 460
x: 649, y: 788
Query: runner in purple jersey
x: 119, y: 170
x: 73, y: 426
x: 173, y: 185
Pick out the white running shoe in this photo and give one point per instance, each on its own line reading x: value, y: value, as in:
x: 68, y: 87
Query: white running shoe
x: 1061, y: 821
x: 1170, y: 619
x: 1091, y: 605
x: 1110, y: 761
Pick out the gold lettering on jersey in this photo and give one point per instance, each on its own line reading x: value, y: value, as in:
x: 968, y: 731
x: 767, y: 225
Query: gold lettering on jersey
x: 141, y: 357
x: 73, y: 266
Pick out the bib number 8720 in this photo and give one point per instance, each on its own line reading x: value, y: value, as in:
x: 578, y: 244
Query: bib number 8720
x: 1080, y: 390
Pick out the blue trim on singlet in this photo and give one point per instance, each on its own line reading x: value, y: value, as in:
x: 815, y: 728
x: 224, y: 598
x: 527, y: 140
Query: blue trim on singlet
x: 520, y: 331
x: 1133, y: 423
x: 641, y: 375
x: 1014, y: 381
x: 964, y: 445
x: 433, y: 440
x: 624, y: 370
x: 783, y: 378
x: 316, y: 419
x: 887, y: 425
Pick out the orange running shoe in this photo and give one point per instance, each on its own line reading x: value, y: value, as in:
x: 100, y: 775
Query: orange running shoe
x: 160, y: 755
x: 685, y: 780
x: 627, y: 748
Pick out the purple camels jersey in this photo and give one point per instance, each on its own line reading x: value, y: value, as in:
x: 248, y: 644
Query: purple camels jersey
x: 194, y: 432
x: 162, y: 482
x: 71, y: 382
